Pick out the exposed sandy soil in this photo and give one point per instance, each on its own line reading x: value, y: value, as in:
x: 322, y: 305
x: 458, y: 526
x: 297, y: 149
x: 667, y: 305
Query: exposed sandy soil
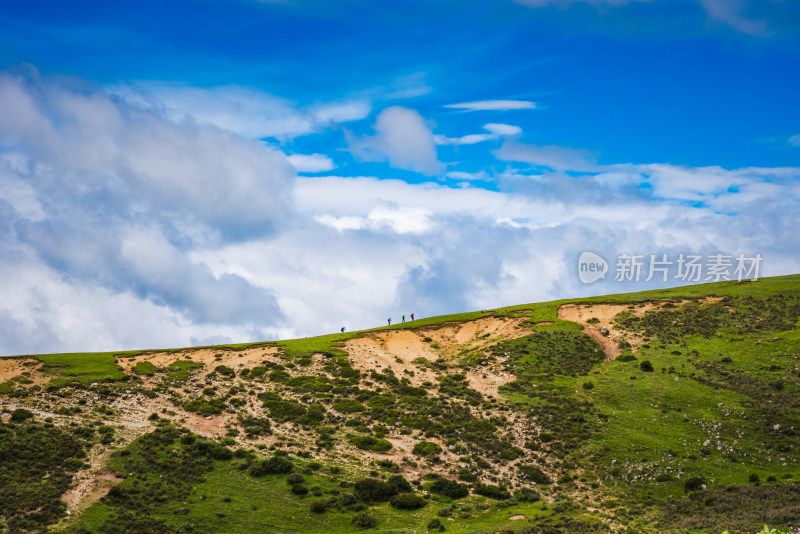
x: 606, y: 313
x: 397, y: 349
x: 11, y: 368
x: 90, y: 489
x: 208, y: 357
x: 517, y: 517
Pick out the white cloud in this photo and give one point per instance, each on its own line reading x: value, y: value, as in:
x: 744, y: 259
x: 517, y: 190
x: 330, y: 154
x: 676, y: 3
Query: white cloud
x: 105, y: 200
x: 463, y: 140
x: 411, y: 220
x: 311, y: 162
x: 469, y: 176
x: 249, y: 113
x: 795, y: 140
x: 496, y: 131
x: 553, y: 157
x: 493, y: 105
x: 403, y: 138
x: 503, y: 130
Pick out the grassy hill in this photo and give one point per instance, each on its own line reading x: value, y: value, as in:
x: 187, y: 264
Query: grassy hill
x: 661, y: 411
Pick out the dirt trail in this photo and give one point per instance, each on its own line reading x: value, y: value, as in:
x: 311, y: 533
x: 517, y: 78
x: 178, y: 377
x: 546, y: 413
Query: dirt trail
x: 605, y: 314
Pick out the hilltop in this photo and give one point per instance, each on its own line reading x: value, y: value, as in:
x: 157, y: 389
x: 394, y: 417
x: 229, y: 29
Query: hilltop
x: 658, y: 411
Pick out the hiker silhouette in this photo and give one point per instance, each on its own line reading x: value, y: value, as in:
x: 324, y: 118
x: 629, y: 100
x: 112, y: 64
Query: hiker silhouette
x: 390, y: 320
x: 342, y: 330
x: 412, y: 316
x: 404, y: 318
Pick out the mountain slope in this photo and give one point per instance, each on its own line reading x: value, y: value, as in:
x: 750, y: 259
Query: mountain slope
x: 525, y: 418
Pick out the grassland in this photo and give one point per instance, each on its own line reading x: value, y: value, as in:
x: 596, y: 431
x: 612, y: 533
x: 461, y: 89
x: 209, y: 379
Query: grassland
x: 694, y: 428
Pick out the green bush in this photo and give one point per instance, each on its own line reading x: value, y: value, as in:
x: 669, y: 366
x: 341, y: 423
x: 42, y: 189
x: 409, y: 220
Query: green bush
x: 348, y: 406
x: 275, y: 465
x: 205, y: 407
x: 646, y: 366
x: 491, y: 491
x: 370, y: 443
x: 527, y: 495
x: 373, y: 490
x: 534, y: 474
x: 435, y: 524
x: 407, y: 501
x: 224, y: 370
x: 694, y: 484
x: 364, y: 520
x: 426, y: 448
x: 21, y: 414
x: 448, y: 488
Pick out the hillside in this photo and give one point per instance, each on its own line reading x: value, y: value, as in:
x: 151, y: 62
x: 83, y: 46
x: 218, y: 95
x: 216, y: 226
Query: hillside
x: 521, y: 419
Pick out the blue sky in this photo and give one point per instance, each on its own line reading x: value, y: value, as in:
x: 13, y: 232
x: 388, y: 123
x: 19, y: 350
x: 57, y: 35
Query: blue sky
x: 178, y: 173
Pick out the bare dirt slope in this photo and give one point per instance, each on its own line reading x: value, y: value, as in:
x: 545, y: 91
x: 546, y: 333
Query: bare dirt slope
x: 398, y: 349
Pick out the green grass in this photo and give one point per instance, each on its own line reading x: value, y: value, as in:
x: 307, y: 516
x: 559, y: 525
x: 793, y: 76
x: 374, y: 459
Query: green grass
x: 144, y: 368
x: 83, y: 368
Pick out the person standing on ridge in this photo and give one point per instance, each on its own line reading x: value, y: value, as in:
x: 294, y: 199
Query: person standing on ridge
x: 390, y: 321
x: 412, y: 316
x: 342, y: 330
x: 404, y: 318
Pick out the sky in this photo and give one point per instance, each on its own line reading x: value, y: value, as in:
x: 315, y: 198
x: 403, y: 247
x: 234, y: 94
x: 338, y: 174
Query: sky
x: 189, y: 173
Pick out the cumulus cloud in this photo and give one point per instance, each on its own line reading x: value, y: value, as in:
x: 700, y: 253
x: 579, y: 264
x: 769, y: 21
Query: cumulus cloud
x: 104, y: 201
x: 311, y: 162
x: 795, y: 140
x: 403, y: 138
x: 493, y: 105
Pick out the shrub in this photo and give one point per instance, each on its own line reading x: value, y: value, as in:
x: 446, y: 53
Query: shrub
x: 319, y: 507
x: 527, y: 495
x: 276, y: 465
x: 435, y: 524
x: 364, y: 520
x: 426, y: 448
x: 534, y: 474
x: 646, y: 366
x: 399, y: 483
x: 754, y: 478
x: 626, y: 358
x: 370, y: 443
x: 205, y: 407
x: 20, y: 414
x: 491, y: 491
x: 348, y: 406
x: 449, y: 488
x: 694, y: 484
x: 295, y: 478
x: 224, y: 370
x: 407, y: 501
x: 588, y: 385
x: 373, y: 490
x: 299, y: 489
